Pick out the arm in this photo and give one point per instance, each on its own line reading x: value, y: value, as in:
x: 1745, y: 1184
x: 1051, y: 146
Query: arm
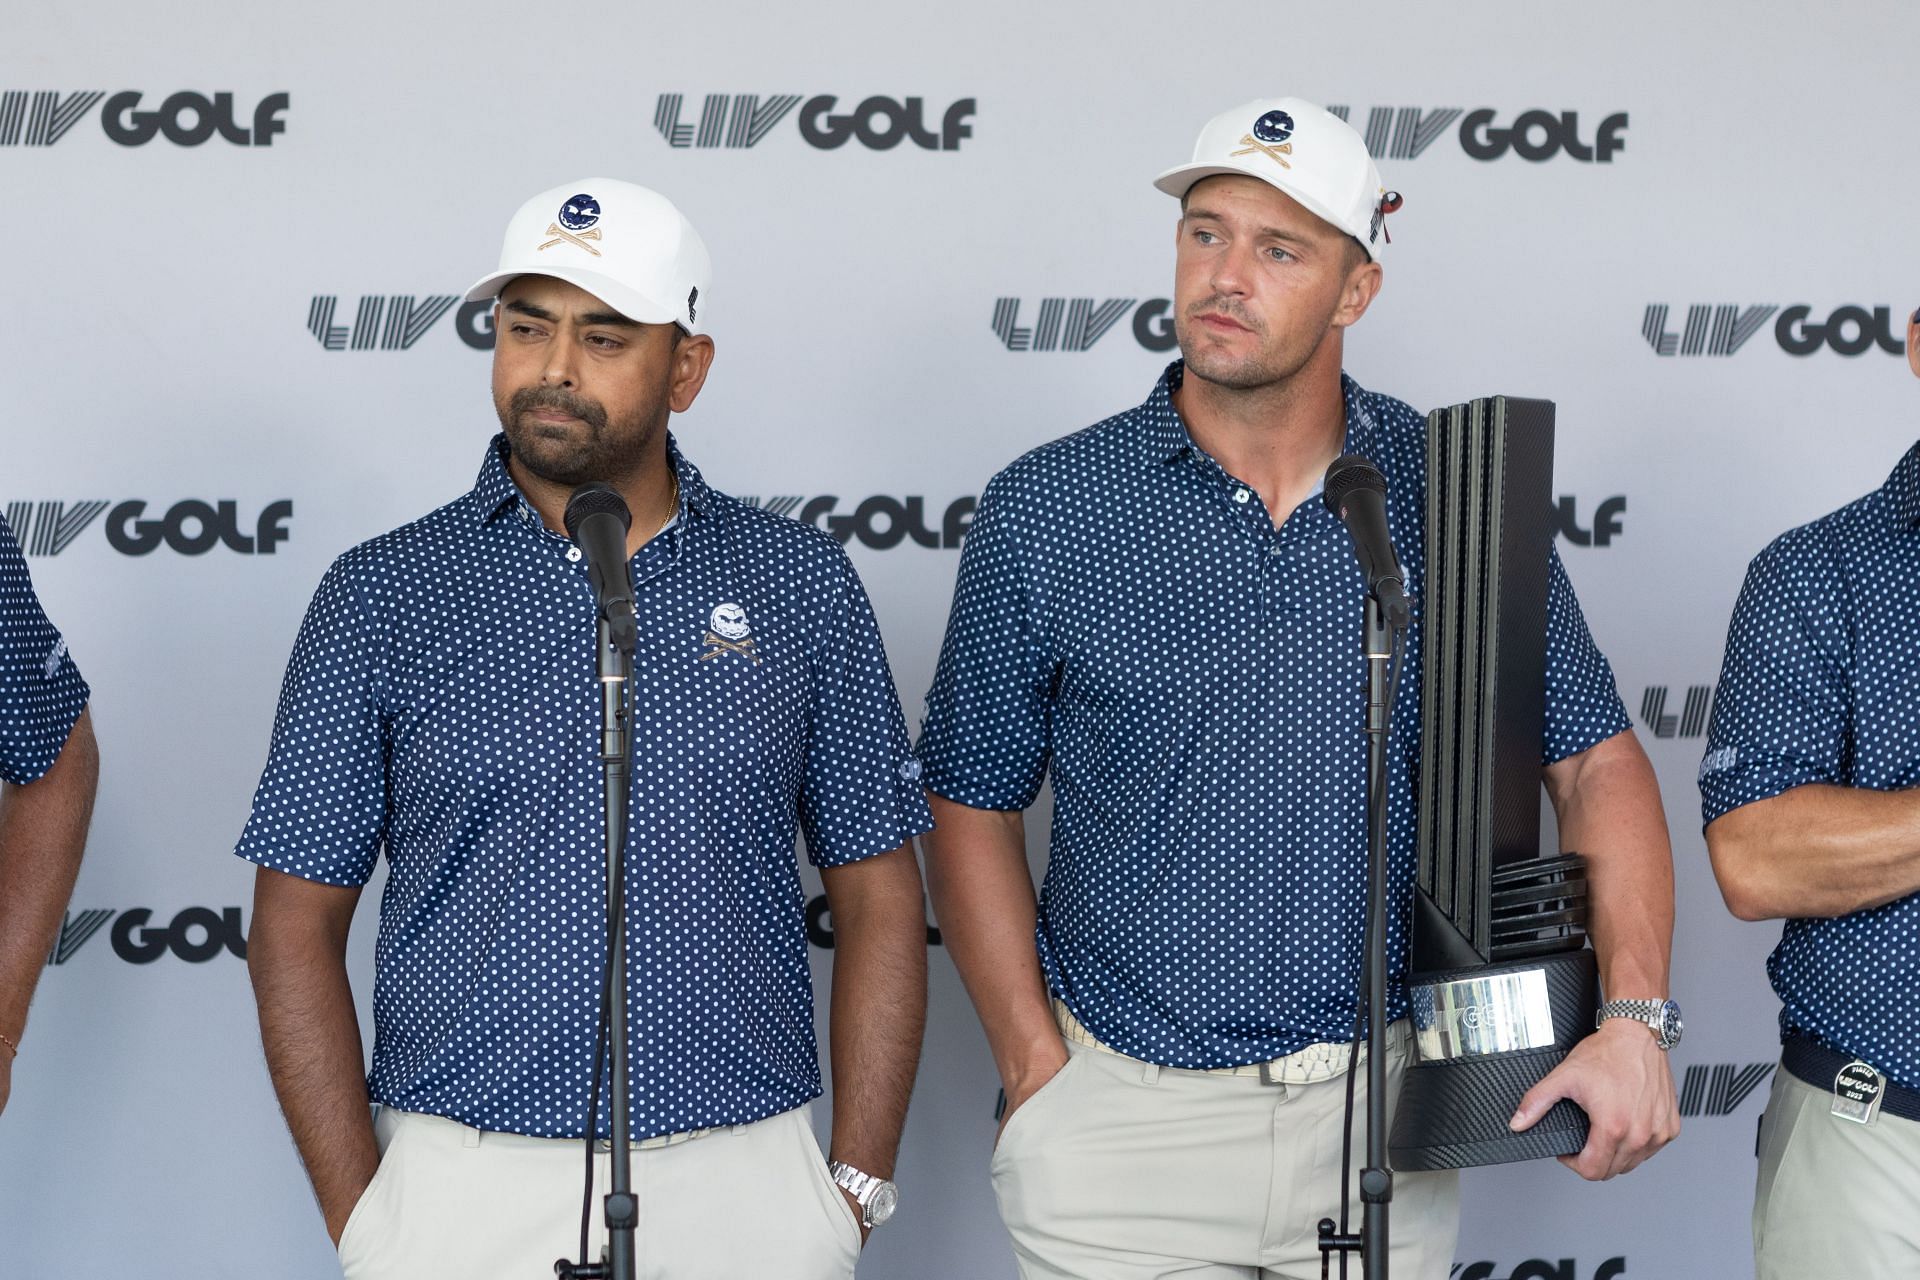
x: 1608, y: 804
x: 43, y: 828
x: 879, y: 1007
x: 1817, y: 850
x: 983, y: 898
x: 296, y: 955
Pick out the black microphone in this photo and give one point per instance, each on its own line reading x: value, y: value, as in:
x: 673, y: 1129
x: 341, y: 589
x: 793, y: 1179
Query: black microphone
x: 597, y: 520
x: 1356, y: 492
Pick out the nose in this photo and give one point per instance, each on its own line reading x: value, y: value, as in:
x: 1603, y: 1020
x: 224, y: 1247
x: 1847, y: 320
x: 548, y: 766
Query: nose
x: 1232, y: 269
x: 560, y: 369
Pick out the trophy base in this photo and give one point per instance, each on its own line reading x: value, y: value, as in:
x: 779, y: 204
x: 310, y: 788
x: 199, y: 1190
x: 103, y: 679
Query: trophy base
x: 1483, y: 1037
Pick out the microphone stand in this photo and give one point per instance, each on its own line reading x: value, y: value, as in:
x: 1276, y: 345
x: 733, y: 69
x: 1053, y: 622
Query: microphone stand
x: 1376, y: 1180
x: 614, y: 646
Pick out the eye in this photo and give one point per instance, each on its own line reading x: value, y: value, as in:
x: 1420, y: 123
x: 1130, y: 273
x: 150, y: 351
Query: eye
x: 1204, y: 236
x: 1280, y: 255
x: 524, y: 329
x: 604, y: 342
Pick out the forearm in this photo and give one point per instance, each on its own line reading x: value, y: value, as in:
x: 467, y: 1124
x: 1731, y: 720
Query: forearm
x: 1817, y: 850
x: 879, y: 1009
x: 1609, y: 810
x: 984, y: 902
x: 311, y: 1034
x: 43, y: 830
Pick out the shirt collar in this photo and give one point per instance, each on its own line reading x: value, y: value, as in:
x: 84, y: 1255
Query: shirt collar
x: 1169, y: 438
x: 495, y: 493
x: 1903, y: 489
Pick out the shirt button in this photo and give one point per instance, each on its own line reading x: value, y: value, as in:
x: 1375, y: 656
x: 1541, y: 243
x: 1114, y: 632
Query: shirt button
x: 1273, y: 550
x: 573, y: 553
x: 1241, y: 495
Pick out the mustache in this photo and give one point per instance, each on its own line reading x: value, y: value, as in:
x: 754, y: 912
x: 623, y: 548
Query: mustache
x: 530, y: 398
x: 1225, y: 306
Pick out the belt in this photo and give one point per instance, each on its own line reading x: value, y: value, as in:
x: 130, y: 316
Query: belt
x: 1316, y: 1062
x: 1813, y: 1063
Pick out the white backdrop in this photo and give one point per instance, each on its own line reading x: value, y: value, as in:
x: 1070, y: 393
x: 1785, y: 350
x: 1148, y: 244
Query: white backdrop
x: 160, y: 342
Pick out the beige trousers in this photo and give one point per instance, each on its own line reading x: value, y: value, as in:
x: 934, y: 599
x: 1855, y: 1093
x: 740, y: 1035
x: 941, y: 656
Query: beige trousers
x: 1834, y: 1198
x: 454, y: 1203
x: 1121, y: 1170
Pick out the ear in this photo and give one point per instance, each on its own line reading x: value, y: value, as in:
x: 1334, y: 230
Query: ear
x: 1913, y: 343
x: 691, y: 360
x: 1361, y: 288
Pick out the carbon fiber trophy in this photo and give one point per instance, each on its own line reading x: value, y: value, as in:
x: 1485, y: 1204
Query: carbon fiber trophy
x: 1502, y: 982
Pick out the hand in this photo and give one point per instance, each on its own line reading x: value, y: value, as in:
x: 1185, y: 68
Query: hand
x: 336, y: 1215
x: 1024, y: 1086
x: 859, y: 1215
x: 1620, y: 1077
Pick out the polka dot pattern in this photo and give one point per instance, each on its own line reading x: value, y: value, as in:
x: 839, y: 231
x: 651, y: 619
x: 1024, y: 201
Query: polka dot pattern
x: 442, y: 702
x: 1128, y: 617
x: 41, y: 692
x: 1818, y: 685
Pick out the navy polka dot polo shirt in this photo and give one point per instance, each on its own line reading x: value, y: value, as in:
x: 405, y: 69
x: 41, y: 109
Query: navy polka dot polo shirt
x: 1821, y: 684
x: 442, y: 703
x: 41, y: 692
x: 1129, y: 618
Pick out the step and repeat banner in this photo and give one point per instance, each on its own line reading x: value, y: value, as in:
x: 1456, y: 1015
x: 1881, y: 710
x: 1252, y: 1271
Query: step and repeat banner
x: 232, y: 346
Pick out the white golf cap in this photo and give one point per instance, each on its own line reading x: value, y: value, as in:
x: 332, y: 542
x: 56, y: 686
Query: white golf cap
x: 624, y: 244
x: 1304, y: 150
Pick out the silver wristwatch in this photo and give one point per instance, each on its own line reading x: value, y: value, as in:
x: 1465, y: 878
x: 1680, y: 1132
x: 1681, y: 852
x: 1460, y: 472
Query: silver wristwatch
x: 1662, y: 1016
x: 878, y: 1198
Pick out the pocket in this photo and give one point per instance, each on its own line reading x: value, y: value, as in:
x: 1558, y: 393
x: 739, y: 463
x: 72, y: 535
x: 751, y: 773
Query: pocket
x: 369, y: 1208
x: 1786, y: 1106
x: 839, y: 1209
x: 1040, y: 1097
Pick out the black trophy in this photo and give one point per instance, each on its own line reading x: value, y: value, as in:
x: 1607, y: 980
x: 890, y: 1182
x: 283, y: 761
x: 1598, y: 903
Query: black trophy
x: 1502, y: 984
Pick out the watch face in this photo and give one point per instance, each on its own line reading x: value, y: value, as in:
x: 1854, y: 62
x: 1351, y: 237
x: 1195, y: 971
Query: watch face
x: 1670, y: 1024
x: 886, y: 1198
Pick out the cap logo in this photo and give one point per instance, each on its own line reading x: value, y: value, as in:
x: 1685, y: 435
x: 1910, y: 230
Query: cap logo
x: 693, y: 296
x: 1270, y: 134
x: 577, y: 216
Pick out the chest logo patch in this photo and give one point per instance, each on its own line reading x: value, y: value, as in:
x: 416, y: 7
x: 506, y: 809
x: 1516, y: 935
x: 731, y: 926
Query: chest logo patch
x: 728, y: 632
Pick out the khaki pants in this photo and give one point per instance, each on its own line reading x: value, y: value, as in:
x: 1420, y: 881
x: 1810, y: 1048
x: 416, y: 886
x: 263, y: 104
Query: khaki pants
x: 1121, y: 1170
x: 1834, y: 1198
x: 453, y: 1203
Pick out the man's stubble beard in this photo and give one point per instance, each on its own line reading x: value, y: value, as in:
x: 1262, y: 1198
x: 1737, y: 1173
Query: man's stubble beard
x: 611, y: 449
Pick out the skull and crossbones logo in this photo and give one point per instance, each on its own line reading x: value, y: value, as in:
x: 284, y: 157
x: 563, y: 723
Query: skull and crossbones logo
x: 574, y: 225
x: 727, y: 632
x: 1269, y: 136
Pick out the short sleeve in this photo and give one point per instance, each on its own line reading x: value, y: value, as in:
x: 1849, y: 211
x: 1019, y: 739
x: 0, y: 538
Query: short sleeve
x: 41, y: 691
x: 320, y: 810
x: 861, y: 794
x: 1780, y: 716
x: 1583, y: 707
x: 985, y: 742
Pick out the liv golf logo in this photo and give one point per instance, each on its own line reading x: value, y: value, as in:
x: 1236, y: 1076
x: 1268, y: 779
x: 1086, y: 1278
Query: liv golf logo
x: 395, y: 321
x: 39, y: 119
x: 1402, y: 133
x: 740, y: 120
x: 191, y: 527
x: 1075, y: 324
x: 1720, y: 329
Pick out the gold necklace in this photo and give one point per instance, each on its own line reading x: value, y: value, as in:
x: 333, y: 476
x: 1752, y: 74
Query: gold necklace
x: 673, y: 504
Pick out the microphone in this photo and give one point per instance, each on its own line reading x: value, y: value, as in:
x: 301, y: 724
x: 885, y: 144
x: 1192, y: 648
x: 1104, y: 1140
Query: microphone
x: 1356, y: 492
x: 597, y: 520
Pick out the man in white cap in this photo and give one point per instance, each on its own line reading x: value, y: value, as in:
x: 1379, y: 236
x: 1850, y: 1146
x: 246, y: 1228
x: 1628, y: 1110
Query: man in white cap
x: 1161, y: 612
x: 442, y: 704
